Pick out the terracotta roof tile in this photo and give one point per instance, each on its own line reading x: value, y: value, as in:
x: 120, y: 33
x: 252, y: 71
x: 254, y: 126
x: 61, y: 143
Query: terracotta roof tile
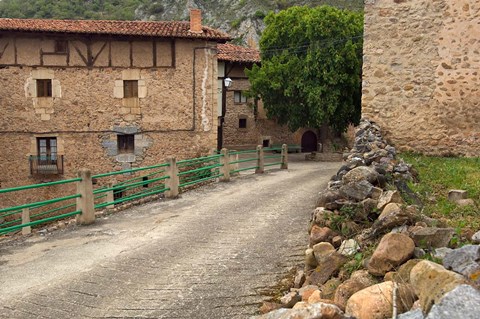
x: 234, y: 53
x: 164, y: 29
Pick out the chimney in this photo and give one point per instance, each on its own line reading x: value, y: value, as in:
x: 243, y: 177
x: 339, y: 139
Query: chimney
x: 196, y: 21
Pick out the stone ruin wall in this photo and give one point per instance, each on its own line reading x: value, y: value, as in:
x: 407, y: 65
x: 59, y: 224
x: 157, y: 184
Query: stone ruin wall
x: 421, y: 74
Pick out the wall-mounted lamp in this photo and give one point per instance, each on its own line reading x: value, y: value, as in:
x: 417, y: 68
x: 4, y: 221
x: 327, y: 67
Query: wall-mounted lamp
x: 227, y: 82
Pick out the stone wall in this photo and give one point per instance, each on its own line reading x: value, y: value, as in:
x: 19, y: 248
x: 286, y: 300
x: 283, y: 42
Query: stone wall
x: 421, y: 74
x: 259, y: 127
x: 172, y: 116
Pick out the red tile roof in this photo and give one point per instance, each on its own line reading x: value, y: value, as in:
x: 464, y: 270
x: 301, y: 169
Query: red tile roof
x: 163, y: 29
x: 234, y: 53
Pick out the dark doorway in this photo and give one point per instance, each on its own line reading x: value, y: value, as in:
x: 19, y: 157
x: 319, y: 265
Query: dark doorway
x: 309, y: 142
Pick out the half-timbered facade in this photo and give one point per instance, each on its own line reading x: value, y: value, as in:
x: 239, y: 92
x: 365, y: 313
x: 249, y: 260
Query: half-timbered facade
x: 105, y: 95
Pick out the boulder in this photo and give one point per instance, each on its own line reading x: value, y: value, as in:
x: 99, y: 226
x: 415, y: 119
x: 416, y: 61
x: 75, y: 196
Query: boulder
x: 314, y: 311
x: 432, y: 237
x: 389, y: 197
x: 359, y: 280
x: 321, y: 234
x: 269, y: 306
x: 357, y: 190
x: 337, y: 241
x: 328, y: 196
x: 402, y: 275
x: 361, y: 173
x: 465, y: 202
x: 310, y: 258
x: 476, y: 238
x: 349, y: 247
x: 300, y: 305
x: 376, y: 193
x: 328, y: 265
x: 457, y: 194
x: 328, y: 289
x: 392, y: 251
x: 431, y: 281
x: 299, y: 279
x: 321, y: 249
x: 465, y: 261
x: 321, y: 217
x: 463, y: 302
x: 412, y: 314
x: 375, y: 302
x: 290, y: 299
x: 392, y: 216
x: 306, y: 291
x: 441, y: 252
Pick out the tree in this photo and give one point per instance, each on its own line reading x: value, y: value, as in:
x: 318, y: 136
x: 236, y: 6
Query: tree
x: 310, y: 73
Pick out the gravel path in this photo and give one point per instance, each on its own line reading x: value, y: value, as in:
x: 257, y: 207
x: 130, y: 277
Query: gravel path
x: 204, y: 255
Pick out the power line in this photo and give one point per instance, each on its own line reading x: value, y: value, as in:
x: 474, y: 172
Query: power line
x: 315, y: 44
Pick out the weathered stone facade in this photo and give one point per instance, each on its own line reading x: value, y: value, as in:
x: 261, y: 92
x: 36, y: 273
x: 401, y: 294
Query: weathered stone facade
x: 172, y: 114
x: 259, y: 129
x: 421, y: 74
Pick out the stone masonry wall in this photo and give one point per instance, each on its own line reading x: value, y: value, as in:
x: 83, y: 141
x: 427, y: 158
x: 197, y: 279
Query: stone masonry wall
x: 421, y: 74
x: 259, y: 127
x: 87, y: 112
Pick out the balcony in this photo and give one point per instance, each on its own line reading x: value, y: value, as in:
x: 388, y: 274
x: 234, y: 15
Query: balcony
x: 46, y: 165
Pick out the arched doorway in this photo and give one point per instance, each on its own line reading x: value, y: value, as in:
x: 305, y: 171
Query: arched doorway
x: 309, y: 142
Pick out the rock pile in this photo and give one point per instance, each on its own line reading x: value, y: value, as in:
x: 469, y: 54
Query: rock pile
x: 366, y: 243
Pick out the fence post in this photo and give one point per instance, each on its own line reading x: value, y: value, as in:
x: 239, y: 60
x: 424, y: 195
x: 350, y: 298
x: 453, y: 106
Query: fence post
x: 26, y: 219
x: 173, y: 181
x: 225, y: 169
x: 284, y: 164
x: 260, y: 160
x: 85, y: 202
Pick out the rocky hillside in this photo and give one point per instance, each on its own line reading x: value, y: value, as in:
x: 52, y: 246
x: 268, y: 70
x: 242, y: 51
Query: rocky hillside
x: 242, y: 19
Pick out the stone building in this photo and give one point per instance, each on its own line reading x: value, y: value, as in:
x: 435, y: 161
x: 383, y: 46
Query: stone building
x: 421, y: 73
x: 105, y: 95
x: 242, y: 120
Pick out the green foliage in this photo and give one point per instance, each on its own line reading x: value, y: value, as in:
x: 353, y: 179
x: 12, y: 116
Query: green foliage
x: 311, y: 67
x: 437, y: 176
x: 260, y: 14
x: 72, y: 9
x: 235, y: 24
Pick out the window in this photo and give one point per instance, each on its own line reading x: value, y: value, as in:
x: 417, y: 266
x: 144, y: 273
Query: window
x: 44, y: 88
x: 130, y: 88
x: 126, y: 143
x: 47, y: 149
x: 47, y: 161
x: 239, y: 97
x: 242, y: 123
x: 60, y: 46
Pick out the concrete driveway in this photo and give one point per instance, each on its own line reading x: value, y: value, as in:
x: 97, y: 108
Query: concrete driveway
x: 204, y: 255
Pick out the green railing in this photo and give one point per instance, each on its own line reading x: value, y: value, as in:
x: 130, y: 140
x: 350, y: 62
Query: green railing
x: 37, y: 212
x: 123, y: 186
x: 149, y: 181
x: 199, y: 170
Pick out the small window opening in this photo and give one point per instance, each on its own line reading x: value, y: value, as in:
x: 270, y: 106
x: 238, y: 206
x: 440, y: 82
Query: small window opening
x: 239, y: 97
x: 130, y: 88
x: 242, y: 123
x: 266, y: 143
x: 44, y: 88
x: 126, y: 143
x: 60, y: 46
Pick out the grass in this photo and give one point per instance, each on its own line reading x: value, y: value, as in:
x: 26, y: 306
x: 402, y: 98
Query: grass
x: 438, y: 175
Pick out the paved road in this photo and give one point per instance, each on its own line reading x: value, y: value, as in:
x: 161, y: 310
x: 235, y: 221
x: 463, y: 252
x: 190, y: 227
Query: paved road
x: 205, y: 255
